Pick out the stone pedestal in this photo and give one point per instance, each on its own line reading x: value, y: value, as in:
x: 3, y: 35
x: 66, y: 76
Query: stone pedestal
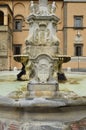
x: 45, y: 90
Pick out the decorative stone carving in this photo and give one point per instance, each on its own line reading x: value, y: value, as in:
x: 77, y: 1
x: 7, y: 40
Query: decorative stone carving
x: 32, y: 10
x: 78, y: 38
x: 43, y: 69
x: 26, y: 71
x: 55, y: 40
x: 53, y: 7
x: 42, y: 35
x: 43, y: 9
x: 42, y: 45
x: 29, y: 40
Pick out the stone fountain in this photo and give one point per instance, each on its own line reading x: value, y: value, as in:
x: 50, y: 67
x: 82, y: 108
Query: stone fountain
x: 41, y: 60
x: 42, y: 106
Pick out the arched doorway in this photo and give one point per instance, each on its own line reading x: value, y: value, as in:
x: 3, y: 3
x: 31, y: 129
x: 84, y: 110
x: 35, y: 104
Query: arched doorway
x: 1, y: 18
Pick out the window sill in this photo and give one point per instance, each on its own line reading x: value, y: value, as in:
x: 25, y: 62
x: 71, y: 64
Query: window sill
x: 78, y: 28
x: 17, y: 30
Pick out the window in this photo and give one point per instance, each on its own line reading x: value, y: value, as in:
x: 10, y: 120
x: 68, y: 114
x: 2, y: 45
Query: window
x: 78, y: 49
x: 78, y: 21
x: 18, y: 25
x: 1, y: 18
x: 17, y: 49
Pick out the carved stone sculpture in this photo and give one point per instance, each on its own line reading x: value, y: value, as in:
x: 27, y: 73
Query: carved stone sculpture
x: 53, y: 7
x: 42, y: 47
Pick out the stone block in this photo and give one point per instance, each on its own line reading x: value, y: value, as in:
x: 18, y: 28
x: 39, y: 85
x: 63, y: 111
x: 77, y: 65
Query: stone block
x: 46, y: 94
x: 42, y: 87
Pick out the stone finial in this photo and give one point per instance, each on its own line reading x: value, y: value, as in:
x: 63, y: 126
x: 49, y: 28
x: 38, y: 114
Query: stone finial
x: 53, y: 8
x: 32, y: 7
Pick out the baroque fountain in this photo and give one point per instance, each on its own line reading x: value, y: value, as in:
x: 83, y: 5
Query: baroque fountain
x: 41, y: 60
x: 42, y: 106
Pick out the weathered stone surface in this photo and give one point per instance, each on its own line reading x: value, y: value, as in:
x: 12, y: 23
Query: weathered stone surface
x: 16, y: 95
x: 5, y: 44
x: 35, y: 51
x: 78, y: 125
x: 42, y: 43
x: 44, y: 98
x: 45, y: 94
x: 42, y: 87
x: 6, y: 124
x: 42, y: 107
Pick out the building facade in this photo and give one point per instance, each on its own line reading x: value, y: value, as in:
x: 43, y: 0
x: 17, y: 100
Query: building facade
x: 71, y: 31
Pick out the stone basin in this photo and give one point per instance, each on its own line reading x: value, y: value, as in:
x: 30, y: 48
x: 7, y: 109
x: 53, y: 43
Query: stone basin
x: 62, y: 58
x: 65, y: 112
x: 21, y: 58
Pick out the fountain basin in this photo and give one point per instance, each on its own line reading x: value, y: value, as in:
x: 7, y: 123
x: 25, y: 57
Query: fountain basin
x: 21, y: 58
x: 63, y: 58
x: 63, y: 112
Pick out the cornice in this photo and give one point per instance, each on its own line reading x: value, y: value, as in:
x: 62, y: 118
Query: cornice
x: 30, y: 0
x: 80, y: 1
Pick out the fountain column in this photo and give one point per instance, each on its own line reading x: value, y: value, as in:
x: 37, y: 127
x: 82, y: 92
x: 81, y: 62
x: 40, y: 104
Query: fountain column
x: 42, y: 45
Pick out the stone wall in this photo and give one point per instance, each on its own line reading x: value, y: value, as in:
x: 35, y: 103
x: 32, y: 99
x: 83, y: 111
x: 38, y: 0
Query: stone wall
x: 5, y: 48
